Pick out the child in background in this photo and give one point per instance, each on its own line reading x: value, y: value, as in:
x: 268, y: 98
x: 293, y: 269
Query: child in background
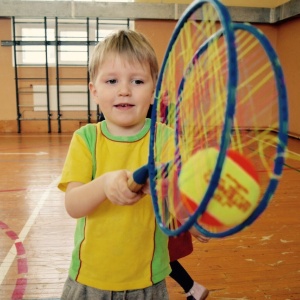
x: 180, y: 247
x: 120, y: 252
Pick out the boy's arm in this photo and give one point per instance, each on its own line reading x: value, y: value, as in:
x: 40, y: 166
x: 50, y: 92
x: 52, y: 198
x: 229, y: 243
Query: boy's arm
x: 82, y: 199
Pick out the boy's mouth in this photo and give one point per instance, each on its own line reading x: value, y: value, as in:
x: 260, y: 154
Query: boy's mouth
x: 124, y: 105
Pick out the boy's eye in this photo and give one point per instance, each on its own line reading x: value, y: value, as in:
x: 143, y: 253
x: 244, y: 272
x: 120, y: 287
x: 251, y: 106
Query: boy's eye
x: 111, y: 81
x: 138, y: 81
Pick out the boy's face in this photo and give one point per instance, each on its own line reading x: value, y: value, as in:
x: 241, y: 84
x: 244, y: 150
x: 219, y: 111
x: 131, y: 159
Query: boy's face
x: 124, y: 93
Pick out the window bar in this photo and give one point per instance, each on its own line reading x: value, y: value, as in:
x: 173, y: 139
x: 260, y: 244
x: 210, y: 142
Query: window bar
x: 88, y: 77
x: 16, y: 77
x: 97, y: 39
x: 57, y: 76
x: 47, y: 77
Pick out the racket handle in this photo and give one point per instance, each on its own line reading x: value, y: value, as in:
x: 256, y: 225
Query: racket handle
x: 138, y: 179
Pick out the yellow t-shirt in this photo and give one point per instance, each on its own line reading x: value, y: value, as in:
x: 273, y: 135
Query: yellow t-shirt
x: 116, y: 247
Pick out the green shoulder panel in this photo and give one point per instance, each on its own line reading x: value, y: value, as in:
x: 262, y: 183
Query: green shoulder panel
x: 89, y: 134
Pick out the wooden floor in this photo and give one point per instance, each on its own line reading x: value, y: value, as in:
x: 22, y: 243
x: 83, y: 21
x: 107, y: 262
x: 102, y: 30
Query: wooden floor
x: 36, y: 234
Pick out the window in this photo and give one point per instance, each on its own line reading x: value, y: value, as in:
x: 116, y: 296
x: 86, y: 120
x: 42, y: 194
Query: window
x: 32, y: 54
x: 73, y: 54
x: 66, y: 39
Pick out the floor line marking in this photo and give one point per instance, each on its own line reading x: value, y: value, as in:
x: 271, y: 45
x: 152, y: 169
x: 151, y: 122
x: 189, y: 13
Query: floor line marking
x: 23, y: 153
x: 11, y: 255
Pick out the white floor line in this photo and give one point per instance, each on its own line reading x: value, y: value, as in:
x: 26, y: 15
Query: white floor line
x: 11, y: 255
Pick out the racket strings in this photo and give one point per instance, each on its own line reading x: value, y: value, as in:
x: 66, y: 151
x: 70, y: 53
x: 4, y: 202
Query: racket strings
x: 256, y: 121
x: 208, y: 95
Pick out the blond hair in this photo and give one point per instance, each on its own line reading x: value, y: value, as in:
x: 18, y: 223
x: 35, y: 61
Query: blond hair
x: 128, y: 43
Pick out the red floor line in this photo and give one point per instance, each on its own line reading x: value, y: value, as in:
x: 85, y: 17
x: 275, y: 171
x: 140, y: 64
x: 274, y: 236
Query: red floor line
x: 22, y: 265
x: 13, y: 190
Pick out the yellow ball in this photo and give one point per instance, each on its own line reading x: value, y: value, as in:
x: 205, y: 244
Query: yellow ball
x: 236, y: 196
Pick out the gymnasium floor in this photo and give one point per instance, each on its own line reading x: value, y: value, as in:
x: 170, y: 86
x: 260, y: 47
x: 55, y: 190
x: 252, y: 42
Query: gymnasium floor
x: 36, y: 234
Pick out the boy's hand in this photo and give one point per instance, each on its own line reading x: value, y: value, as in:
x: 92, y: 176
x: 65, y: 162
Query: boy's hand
x: 146, y: 188
x: 116, y: 188
x: 199, y: 236
x: 195, y: 233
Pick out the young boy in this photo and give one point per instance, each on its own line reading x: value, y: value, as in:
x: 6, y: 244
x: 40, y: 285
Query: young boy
x: 120, y: 252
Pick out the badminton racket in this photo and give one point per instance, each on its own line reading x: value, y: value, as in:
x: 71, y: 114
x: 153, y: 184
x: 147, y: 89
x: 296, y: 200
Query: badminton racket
x: 193, y: 108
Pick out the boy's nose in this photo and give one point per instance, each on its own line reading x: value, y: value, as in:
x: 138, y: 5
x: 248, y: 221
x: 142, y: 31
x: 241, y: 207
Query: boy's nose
x: 124, y: 89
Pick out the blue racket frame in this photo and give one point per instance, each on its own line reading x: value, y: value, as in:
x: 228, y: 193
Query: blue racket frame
x: 228, y: 33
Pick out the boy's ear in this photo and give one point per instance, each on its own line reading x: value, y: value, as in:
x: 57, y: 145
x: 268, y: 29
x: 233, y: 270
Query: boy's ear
x: 92, y: 88
x: 93, y: 91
